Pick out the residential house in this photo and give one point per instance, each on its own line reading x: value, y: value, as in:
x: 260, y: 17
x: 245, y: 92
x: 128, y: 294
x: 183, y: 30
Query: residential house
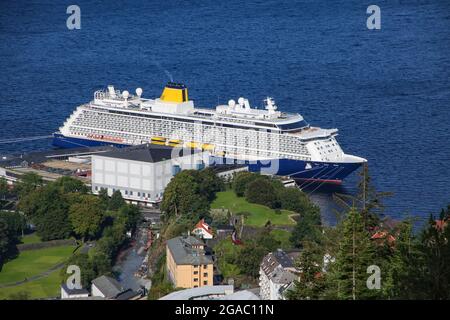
x: 187, y: 263
x: 203, y: 230
x: 109, y: 288
x: 67, y: 293
x: 277, y: 273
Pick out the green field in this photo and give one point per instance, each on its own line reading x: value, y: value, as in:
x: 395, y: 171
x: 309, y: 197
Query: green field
x: 30, y: 238
x: 33, y: 262
x: 259, y: 214
x: 41, y: 288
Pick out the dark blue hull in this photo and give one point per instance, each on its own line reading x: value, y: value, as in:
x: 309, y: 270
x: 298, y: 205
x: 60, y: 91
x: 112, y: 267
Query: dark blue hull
x: 330, y: 172
x: 61, y: 141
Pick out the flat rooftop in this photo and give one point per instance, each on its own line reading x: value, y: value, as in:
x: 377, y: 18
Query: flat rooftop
x: 149, y: 153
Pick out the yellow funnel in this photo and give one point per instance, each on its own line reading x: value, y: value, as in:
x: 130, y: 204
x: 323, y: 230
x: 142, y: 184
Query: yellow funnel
x: 175, y: 92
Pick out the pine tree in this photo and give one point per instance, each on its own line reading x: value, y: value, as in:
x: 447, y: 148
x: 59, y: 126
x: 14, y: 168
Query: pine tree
x: 311, y: 282
x: 402, y: 267
x: 435, y: 248
x: 348, y: 274
x: 368, y: 200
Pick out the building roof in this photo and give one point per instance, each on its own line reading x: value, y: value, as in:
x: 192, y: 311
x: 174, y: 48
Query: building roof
x: 441, y: 224
x: 110, y: 287
x: 224, y: 227
x: 203, y: 226
x: 279, y: 257
x: 280, y: 275
x: 188, y: 250
x: 199, y: 293
x: 127, y: 295
x: 149, y: 153
x: 240, y: 295
x: 73, y: 291
x: 274, y: 265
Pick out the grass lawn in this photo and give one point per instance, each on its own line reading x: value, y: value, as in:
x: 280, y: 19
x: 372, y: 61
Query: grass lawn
x: 41, y: 288
x: 259, y: 214
x: 283, y: 237
x: 31, y: 238
x: 33, y: 262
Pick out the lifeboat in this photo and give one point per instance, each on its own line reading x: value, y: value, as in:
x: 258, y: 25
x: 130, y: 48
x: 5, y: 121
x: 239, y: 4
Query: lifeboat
x: 175, y: 142
x: 207, y: 147
x: 158, y: 140
x: 193, y: 145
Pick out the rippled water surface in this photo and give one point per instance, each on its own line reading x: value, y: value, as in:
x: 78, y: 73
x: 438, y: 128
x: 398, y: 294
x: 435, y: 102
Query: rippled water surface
x: 387, y: 91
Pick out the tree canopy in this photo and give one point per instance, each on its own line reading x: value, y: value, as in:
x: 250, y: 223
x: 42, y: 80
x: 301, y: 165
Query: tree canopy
x: 86, y: 216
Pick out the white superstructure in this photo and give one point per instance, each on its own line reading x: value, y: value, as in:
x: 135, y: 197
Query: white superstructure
x: 235, y: 130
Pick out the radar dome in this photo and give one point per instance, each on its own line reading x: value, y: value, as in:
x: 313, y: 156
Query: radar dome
x: 139, y: 92
x: 125, y: 94
x: 241, y: 101
x: 231, y: 103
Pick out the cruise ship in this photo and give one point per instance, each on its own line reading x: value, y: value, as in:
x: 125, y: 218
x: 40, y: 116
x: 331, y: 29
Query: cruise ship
x: 270, y: 141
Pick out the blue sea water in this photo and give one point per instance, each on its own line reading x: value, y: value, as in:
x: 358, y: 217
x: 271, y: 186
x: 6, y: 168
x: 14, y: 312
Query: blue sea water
x: 387, y: 91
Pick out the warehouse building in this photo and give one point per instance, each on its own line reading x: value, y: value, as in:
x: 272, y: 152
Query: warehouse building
x: 141, y: 173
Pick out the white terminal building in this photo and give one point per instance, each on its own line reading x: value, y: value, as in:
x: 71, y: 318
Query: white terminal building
x: 141, y: 173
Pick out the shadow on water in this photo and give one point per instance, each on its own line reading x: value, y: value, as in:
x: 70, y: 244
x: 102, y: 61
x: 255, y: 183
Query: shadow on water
x: 322, y: 196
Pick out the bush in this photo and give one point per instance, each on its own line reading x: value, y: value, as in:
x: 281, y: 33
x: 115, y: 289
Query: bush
x: 293, y: 199
x: 262, y: 191
x: 241, y: 180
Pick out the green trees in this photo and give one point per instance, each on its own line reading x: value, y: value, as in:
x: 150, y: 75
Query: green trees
x: 253, y: 254
x: 435, y: 250
x: 116, y: 201
x: 28, y: 182
x: 4, y: 241
x: 254, y: 250
x: 401, y: 265
x: 86, y: 216
x: 348, y: 274
x: 12, y: 225
x: 190, y: 192
x: 241, y: 180
x: 47, y: 207
x: 84, y: 262
x: 308, y: 227
x: 311, y: 283
x: 294, y: 200
x: 209, y: 183
x: 71, y: 185
x: 4, y: 190
x: 262, y: 191
x: 104, y: 198
x: 131, y: 216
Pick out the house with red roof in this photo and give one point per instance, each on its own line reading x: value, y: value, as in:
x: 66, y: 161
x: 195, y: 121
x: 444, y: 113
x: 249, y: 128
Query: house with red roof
x: 383, y: 236
x: 441, y: 224
x: 203, y: 230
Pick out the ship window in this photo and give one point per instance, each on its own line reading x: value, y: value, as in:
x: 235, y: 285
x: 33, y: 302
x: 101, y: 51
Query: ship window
x: 293, y: 126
